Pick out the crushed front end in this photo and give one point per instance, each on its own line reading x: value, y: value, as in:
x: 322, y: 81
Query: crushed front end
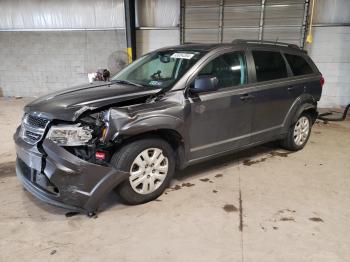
x: 57, y: 162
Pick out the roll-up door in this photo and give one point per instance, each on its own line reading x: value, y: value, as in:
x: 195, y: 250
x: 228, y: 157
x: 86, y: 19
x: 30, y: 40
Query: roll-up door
x: 217, y: 21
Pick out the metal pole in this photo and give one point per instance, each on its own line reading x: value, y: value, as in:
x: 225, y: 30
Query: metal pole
x: 221, y: 21
x: 129, y: 6
x: 262, y: 17
x: 305, y: 24
x: 182, y: 21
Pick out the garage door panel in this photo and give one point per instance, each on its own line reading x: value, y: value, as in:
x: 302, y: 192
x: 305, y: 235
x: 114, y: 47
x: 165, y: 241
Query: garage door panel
x: 289, y: 41
x: 283, y: 34
x: 284, y: 15
x: 242, y: 16
x: 189, y: 3
x: 202, y: 17
x: 284, y: 2
x: 202, y: 35
x: 242, y: 2
x: 225, y: 20
x: 240, y: 33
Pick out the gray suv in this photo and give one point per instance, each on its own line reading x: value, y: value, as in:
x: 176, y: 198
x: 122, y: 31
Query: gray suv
x: 169, y: 109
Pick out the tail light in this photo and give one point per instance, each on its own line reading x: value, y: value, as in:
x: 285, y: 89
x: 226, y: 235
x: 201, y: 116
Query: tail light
x: 322, y: 81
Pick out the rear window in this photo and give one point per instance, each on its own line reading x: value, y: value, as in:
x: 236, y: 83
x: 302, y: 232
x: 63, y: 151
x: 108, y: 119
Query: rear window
x: 269, y: 65
x: 298, y: 65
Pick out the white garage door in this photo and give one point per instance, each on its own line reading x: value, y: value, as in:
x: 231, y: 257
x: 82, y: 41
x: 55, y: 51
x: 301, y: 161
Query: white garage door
x: 216, y: 21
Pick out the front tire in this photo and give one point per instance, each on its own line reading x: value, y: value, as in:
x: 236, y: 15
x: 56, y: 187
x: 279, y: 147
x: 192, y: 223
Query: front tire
x: 151, y: 164
x: 298, y: 133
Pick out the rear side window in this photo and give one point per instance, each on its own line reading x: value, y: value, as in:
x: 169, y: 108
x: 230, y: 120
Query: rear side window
x: 269, y: 65
x: 298, y: 65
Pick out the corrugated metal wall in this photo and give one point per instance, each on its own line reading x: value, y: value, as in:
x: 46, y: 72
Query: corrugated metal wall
x: 330, y: 50
x: 215, y: 21
x: 150, y: 39
x: 51, y: 45
x: 53, y: 14
x: 157, y: 13
x: 158, y: 24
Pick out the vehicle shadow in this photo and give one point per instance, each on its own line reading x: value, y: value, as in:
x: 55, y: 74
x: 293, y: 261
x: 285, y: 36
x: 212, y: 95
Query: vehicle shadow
x: 227, y: 160
x: 196, y: 171
x: 200, y: 170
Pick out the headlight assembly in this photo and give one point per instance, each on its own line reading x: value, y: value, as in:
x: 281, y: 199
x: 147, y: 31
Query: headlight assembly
x: 105, y: 118
x: 70, y: 135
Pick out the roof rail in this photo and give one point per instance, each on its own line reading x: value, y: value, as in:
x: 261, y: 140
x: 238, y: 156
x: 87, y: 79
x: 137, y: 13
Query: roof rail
x: 243, y: 41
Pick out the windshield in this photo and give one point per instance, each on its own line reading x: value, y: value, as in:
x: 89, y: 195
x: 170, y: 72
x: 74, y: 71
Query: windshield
x: 159, y: 69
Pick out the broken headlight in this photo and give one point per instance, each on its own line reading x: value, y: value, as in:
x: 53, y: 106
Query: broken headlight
x: 70, y: 135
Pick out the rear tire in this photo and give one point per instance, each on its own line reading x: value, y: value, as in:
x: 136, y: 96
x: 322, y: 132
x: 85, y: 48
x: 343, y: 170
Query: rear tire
x: 298, y: 133
x: 151, y: 165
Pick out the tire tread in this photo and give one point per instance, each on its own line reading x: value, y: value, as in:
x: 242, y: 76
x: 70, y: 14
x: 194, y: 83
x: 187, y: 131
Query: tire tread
x: 288, y: 141
x: 125, y: 155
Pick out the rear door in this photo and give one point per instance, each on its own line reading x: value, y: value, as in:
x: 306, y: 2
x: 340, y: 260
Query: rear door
x: 302, y: 80
x: 271, y: 93
x: 221, y: 120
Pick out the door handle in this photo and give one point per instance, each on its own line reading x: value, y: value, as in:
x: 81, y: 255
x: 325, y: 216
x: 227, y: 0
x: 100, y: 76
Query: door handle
x: 246, y: 97
x: 290, y: 88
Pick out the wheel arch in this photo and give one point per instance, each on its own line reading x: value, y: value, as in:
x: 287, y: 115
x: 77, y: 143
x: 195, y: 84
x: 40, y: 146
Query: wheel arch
x: 304, y: 103
x: 171, y: 136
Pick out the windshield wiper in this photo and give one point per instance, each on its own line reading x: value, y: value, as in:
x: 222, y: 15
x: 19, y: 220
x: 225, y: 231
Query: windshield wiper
x: 127, y: 82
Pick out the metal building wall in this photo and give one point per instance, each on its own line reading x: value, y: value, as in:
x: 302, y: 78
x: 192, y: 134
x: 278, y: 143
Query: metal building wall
x: 215, y: 21
x: 157, y: 24
x: 157, y: 13
x: 330, y: 50
x: 64, y: 15
x: 50, y: 45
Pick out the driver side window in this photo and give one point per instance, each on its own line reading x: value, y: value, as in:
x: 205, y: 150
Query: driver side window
x: 230, y: 69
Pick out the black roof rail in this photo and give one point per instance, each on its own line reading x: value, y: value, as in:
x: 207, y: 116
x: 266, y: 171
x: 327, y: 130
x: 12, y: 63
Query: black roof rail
x: 243, y: 41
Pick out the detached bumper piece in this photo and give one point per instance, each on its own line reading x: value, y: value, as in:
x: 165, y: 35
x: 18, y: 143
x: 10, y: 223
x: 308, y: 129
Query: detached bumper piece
x: 62, y: 179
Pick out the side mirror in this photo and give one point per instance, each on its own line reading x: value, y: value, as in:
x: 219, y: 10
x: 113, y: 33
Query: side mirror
x: 205, y: 84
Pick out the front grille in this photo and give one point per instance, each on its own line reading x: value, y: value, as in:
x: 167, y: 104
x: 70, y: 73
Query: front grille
x: 32, y: 136
x: 37, y: 121
x: 33, y: 128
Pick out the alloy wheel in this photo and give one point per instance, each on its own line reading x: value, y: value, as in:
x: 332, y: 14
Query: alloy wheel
x: 301, y: 131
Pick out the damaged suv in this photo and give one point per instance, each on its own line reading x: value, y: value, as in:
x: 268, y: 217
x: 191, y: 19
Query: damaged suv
x: 171, y: 108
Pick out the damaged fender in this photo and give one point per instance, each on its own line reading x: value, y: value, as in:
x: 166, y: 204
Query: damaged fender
x: 126, y: 122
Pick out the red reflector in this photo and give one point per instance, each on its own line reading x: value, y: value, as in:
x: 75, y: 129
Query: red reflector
x: 322, y: 81
x: 100, y: 155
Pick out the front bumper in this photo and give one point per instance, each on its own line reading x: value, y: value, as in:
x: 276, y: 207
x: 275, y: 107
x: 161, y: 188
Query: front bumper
x: 60, y: 178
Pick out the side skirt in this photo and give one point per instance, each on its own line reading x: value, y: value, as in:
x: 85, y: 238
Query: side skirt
x: 209, y: 157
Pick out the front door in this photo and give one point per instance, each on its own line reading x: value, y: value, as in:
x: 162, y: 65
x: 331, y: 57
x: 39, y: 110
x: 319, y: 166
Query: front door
x: 221, y: 120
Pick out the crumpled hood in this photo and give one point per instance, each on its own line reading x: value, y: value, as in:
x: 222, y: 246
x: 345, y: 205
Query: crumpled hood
x: 69, y: 104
